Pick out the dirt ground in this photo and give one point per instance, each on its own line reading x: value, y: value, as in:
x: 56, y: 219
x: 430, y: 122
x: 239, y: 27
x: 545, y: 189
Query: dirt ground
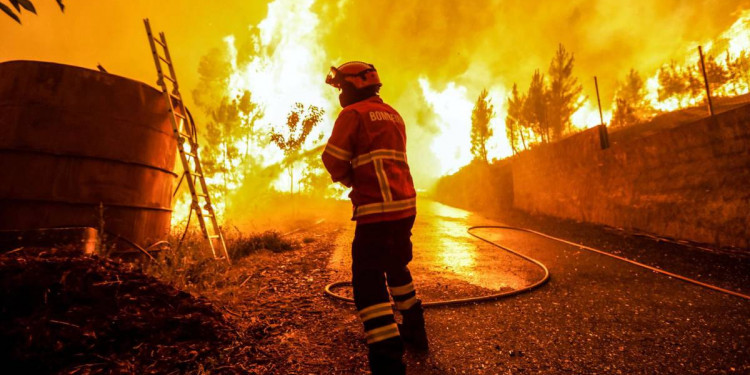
x: 267, y: 314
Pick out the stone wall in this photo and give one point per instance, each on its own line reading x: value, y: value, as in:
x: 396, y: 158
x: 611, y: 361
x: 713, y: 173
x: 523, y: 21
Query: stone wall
x: 478, y: 187
x: 689, y: 182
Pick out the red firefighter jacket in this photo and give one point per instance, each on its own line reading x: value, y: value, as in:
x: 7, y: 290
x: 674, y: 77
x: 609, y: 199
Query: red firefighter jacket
x: 367, y: 152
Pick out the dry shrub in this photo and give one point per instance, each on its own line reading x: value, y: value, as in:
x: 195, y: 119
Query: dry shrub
x: 190, y: 265
x: 241, y: 245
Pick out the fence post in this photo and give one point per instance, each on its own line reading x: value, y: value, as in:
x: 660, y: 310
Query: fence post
x: 705, y: 80
x: 603, y: 135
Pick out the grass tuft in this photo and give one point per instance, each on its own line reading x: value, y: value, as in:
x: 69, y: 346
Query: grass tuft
x: 191, y: 265
x: 242, y: 245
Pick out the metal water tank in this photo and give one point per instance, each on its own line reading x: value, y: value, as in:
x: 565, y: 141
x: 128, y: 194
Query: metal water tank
x: 73, y: 140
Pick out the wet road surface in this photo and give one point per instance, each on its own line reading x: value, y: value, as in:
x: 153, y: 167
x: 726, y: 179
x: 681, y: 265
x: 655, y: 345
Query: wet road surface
x: 596, y: 314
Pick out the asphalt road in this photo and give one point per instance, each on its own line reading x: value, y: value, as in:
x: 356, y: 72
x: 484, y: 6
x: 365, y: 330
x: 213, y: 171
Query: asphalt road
x: 596, y: 314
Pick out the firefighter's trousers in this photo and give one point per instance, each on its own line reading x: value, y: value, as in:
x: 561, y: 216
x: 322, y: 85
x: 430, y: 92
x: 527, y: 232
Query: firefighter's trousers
x: 380, y: 253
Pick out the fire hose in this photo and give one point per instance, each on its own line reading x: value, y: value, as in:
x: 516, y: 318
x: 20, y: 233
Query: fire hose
x: 493, y: 297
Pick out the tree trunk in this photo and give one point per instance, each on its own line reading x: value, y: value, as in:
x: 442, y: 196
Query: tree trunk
x: 291, y: 178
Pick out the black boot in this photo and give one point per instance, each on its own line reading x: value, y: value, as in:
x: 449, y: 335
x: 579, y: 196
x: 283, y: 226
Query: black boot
x: 386, y: 357
x: 413, y: 331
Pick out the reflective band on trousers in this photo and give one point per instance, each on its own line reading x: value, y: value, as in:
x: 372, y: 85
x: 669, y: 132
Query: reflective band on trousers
x: 382, y: 333
x: 402, y: 290
x: 383, y: 207
x: 405, y: 305
x: 378, y: 155
x: 375, y: 311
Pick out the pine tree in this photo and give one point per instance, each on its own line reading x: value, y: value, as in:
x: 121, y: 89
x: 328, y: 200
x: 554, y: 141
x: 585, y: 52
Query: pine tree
x: 513, y: 121
x: 481, y: 131
x: 564, y: 94
x: 534, y: 113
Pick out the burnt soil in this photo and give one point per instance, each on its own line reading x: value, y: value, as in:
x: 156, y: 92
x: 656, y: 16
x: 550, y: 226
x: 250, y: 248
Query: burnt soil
x: 66, y: 313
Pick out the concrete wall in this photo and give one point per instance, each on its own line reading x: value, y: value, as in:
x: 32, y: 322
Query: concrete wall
x: 690, y: 182
x: 478, y: 187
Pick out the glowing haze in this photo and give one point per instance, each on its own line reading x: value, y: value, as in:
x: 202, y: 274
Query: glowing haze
x: 434, y: 60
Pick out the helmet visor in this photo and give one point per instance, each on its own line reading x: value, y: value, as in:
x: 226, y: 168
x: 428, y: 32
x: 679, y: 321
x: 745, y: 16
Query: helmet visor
x: 334, y: 78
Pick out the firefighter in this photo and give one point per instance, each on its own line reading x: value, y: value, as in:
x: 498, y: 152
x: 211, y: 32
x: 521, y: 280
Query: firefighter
x: 367, y: 152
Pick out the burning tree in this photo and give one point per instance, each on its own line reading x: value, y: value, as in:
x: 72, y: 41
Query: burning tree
x: 681, y: 83
x: 738, y: 72
x: 229, y: 132
x: 299, y: 123
x: 564, y: 93
x: 717, y: 74
x: 631, y: 105
x: 481, y: 131
x: 684, y: 84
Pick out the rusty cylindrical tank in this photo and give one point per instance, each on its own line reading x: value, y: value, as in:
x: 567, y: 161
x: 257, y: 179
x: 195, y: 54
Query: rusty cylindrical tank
x: 72, y: 139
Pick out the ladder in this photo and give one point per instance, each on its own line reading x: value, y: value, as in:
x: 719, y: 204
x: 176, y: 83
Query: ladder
x: 187, y: 143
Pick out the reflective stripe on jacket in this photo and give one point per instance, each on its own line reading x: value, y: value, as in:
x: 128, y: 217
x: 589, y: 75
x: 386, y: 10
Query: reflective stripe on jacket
x: 367, y: 151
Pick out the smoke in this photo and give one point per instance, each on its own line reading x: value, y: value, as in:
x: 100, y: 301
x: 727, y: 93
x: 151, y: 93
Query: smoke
x: 436, y: 57
x: 449, y: 40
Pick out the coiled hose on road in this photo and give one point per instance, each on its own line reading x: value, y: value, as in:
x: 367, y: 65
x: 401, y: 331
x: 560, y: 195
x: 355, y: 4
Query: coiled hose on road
x: 492, y: 297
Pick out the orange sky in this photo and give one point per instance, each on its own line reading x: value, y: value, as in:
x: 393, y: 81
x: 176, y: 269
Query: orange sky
x: 111, y: 33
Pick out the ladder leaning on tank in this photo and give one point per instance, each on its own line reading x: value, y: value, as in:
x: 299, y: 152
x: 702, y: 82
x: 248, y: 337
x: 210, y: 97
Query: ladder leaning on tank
x: 184, y: 130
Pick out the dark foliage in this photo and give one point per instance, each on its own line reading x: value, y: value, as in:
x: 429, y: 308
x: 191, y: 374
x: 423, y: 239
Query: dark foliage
x: 61, y: 311
x: 26, y: 5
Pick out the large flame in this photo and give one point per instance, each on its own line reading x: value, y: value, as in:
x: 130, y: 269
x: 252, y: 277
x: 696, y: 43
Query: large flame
x: 452, y: 108
x: 434, y: 88
x: 730, y: 43
x: 286, y: 69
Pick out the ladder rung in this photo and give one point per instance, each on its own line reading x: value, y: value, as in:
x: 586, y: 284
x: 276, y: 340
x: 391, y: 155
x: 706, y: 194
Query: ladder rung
x: 202, y: 213
x: 201, y: 195
x: 158, y: 42
x: 192, y: 155
x: 162, y: 58
x: 184, y: 138
x: 194, y: 174
x: 212, y: 236
x: 180, y: 115
x: 178, y: 97
x: 169, y: 78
